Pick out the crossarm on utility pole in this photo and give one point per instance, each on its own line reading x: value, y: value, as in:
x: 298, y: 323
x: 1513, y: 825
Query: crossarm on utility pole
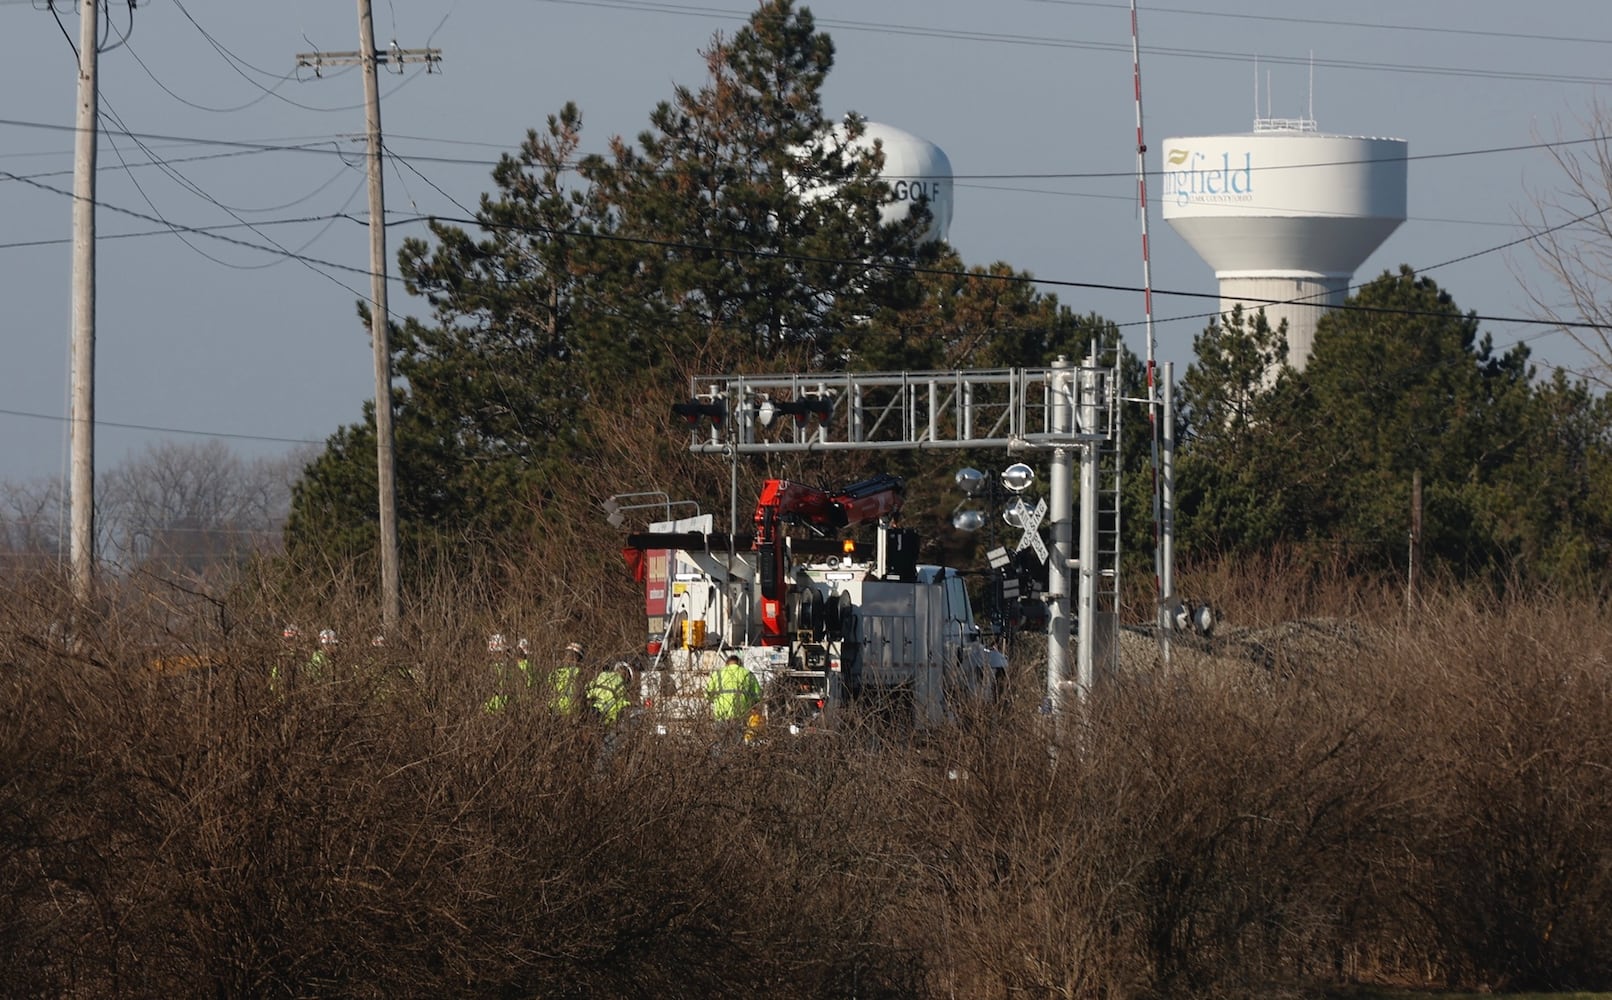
x: 367, y: 58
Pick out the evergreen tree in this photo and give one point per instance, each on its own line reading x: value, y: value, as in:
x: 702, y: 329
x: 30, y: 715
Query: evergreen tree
x: 1239, y: 487
x: 743, y: 232
x: 748, y: 223
x: 487, y: 413
x: 1404, y: 383
x: 1401, y: 383
x: 1550, y: 516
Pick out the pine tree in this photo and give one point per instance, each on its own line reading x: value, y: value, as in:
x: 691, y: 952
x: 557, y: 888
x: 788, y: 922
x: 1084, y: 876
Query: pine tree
x: 742, y: 232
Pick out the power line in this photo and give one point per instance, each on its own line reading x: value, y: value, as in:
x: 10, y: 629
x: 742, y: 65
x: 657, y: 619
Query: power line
x: 58, y: 418
x: 318, y: 147
x: 761, y: 254
x: 1332, y: 23
x: 266, y: 93
x: 221, y: 237
x: 199, y: 157
x: 205, y: 230
x: 1042, y: 41
x: 676, y: 244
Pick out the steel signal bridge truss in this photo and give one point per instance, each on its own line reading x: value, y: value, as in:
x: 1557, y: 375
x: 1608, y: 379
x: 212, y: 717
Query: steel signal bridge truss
x: 1065, y: 410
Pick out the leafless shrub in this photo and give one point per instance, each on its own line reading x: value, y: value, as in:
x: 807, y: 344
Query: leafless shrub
x: 1514, y: 872
x: 1426, y: 799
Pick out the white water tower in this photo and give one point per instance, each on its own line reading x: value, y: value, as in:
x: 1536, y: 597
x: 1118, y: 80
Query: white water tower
x: 1284, y: 214
x: 916, y: 170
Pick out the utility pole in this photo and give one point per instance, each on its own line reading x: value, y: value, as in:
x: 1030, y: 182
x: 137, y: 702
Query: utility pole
x: 81, y: 412
x: 1415, y: 567
x: 380, y: 335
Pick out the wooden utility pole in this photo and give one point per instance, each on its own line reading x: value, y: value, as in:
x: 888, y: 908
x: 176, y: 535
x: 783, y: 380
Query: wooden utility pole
x: 1415, y: 541
x: 380, y: 334
x: 81, y: 412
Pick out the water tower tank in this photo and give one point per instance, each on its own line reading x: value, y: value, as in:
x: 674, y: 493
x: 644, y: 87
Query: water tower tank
x: 1284, y: 213
x: 915, y: 169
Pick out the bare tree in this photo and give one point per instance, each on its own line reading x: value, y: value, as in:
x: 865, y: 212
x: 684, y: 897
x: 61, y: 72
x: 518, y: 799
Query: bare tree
x: 1571, y: 231
x: 30, y: 523
x: 190, y: 507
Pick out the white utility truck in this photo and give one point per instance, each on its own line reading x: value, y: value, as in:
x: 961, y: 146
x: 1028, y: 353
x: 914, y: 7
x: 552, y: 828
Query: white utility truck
x: 823, y: 621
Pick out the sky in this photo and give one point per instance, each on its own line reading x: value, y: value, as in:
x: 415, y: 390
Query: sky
x: 251, y: 334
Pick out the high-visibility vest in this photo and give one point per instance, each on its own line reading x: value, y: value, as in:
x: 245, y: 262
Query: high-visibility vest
x: 607, y: 695
x: 732, y: 690
x: 500, y: 699
x: 313, y: 669
x: 563, y: 693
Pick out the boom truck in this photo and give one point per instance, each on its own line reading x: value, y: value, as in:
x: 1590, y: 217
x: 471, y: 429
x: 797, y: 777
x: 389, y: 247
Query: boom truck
x: 821, y: 621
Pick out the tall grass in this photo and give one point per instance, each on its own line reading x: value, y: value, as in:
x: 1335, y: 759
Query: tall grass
x: 1375, y: 797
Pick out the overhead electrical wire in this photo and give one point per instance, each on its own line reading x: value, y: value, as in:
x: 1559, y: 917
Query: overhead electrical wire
x: 1041, y: 41
x: 319, y: 148
x: 1332, y: 23
x: 199, y: 157
x: 168, y: 230
x: 58, y: 418
x: 248, y: 148
x: 185, y: 182
x: 1028, y: 280
x: 916, y: 269
x: 264, y: 95
x: 673, y: 244
x: 212, y: 233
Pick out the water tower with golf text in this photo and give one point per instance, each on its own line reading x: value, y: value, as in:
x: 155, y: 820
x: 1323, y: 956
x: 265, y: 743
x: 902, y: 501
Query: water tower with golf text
x: 1284, y: 215
x: 917, y: 171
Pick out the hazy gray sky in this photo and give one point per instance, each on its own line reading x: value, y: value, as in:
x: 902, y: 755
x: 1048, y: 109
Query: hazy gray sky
x: 1032, y: 100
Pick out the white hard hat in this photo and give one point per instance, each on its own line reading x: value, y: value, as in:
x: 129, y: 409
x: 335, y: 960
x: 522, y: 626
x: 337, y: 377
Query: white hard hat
x: 524, y: 645
x: 327, y: 637
x: 574, y: 647
x: 495, y: 643
x: 290, y: 632
x: 379, y: 640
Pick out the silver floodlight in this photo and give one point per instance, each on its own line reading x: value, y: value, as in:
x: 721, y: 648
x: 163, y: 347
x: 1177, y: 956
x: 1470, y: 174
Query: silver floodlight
x: 1018, y: 477
x: 971, y: 481
x: 968, y: 520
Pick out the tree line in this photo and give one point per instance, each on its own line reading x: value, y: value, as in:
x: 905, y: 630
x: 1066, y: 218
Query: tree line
x: 188, y: 509
x: 566, y: 315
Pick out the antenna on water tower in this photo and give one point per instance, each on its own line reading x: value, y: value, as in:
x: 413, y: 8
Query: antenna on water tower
x: 1312, y: 86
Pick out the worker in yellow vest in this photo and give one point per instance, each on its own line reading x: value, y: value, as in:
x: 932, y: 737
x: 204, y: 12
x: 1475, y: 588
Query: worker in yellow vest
x: 499, y: 669
x: 607, y: 693
x: 732, y: 691
x: 565, y: 682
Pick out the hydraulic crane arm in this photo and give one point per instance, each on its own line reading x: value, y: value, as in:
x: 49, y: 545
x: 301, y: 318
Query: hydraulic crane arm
x: 783, y: 502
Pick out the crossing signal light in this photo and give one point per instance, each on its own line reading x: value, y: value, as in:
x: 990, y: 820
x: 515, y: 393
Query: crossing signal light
x: 694, y: 409
x: 802, y: 409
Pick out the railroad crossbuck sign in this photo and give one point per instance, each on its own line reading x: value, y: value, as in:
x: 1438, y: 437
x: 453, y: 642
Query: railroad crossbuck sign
x: 1029, y: 518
